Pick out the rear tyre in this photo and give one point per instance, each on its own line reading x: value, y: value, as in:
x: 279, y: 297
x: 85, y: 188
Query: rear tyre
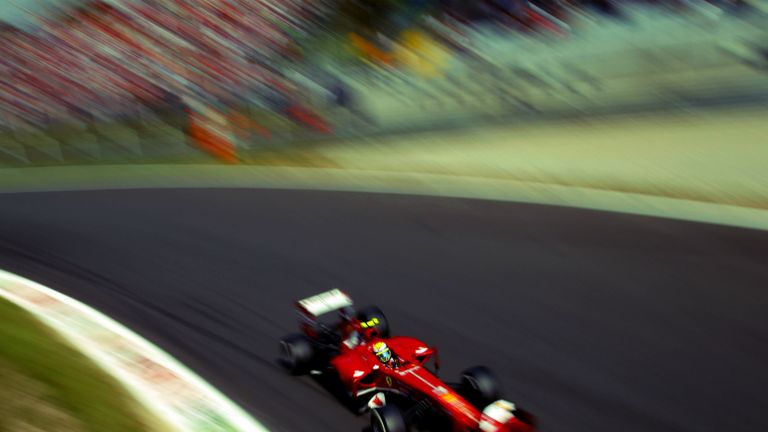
x: 388, y: 418
x: 296, y: 354
x: 368, y: 313
x: 480, y: 386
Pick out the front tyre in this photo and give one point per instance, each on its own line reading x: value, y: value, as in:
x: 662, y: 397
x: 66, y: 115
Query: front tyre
x: 526, y: 417
x: 388, y: 418
x: 480, y: 386
x: 296, y: 353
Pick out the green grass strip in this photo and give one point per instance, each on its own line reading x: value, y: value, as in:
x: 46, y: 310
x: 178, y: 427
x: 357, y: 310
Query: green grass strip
x: 58, y: 378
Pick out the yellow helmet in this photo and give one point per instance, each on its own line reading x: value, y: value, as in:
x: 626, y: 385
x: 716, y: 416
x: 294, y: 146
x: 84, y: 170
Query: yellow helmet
x: 382, y: 351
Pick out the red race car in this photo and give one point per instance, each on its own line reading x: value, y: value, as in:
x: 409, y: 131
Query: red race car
x: 393, y: 377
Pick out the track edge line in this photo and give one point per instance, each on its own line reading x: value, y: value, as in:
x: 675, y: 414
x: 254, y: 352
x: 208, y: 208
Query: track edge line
x: 184, y: 400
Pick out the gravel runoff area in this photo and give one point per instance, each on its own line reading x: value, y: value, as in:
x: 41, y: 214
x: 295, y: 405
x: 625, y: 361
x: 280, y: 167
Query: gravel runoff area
x: 704, y: 166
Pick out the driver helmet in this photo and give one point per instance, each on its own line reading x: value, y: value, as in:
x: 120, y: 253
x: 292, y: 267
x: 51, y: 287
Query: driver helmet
x: 382, y: 351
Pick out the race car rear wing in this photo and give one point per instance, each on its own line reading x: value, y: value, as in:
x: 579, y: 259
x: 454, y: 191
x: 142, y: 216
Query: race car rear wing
x: 323, y: 303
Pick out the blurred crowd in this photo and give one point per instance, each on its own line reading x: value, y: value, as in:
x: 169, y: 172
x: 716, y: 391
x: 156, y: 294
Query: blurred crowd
x: 112, y: 59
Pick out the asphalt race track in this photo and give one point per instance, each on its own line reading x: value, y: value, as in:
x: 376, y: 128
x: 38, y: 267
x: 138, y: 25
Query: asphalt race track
x: 594, y: 321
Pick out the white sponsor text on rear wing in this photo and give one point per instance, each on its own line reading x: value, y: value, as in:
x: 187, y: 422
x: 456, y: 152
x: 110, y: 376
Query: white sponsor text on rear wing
x: 325, y: 302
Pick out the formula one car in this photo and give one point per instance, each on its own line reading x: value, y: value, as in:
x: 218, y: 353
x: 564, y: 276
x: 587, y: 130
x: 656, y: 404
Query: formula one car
x: 393, y: 378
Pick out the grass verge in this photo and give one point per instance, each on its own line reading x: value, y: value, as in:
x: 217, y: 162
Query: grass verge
x: 47, y: 385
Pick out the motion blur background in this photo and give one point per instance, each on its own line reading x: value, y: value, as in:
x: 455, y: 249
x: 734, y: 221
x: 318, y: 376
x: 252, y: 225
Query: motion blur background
x: 609, y: 320
x: 176, y: 80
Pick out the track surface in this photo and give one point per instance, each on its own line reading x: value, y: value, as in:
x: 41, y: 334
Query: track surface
x: 595, y: 321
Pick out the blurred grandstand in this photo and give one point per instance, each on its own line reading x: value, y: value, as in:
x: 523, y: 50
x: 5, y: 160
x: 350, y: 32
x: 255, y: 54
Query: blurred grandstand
x: 110, y: 59
x: 217, y: 69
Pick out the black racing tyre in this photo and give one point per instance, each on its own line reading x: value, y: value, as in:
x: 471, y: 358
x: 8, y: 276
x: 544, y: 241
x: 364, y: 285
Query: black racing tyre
x: 388, y: 418
x: 370, y: 312
x: 480, y: 386
x: 526, y: 417
x: 296, y: 353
